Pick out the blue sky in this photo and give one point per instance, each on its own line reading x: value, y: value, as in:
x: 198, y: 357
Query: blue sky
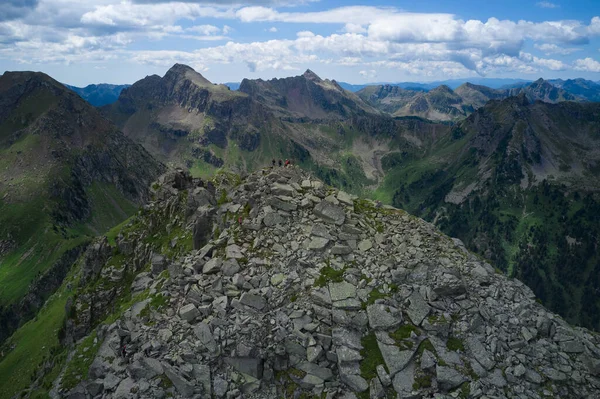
x: 121, y: 41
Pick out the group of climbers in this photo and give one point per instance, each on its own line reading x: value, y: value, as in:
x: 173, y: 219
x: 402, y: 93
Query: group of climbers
x: 281, y: 163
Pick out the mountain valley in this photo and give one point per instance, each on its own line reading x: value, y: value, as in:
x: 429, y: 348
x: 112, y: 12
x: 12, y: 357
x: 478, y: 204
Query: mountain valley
x: 148, y: 247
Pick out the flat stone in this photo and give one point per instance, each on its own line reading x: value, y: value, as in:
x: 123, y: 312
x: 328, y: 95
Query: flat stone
x: 340, y: 291
x: 321, y: 296
x: 496, y: 378
x: 395, y: 359
x: 480, y: 353
x: 344, y: 198
x: 282, y: 189
x: 124, y: 389
x: 202, y: 331
x: 383, y: 317
x: 318, y: 243
x: 330, y: 213
x: 365, y: 245
x: 183, y: 386
x: 283, y: 203
x: 404, y: 380
x: 348, y: 304
x: 575, y: 346
x: 247, y: 365
x: 254, y: 301
x: 212, y: 266
x: 346, y: 337
x: 355, y: 382
x: 313, y: 353
x: 189, y: 312
x: 277, y: 279
x: 318, y: 371
x: 273, y: 219
x: 230, y: 267
x: 220, y: 387
x: 384, y: 377
x: 346, y: 355
x: 448, y: 378
x: 321, y: 230
x: 201, y: 374
x: 418, y: 308
x: 233, y: 252
x: 341, y: 250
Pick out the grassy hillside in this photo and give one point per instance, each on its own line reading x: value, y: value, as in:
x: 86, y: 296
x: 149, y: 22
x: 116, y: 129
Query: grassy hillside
x: 520, y: 192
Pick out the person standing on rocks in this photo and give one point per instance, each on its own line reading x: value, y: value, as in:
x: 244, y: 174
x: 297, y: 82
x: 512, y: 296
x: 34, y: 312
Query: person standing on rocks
x: 280, y: 163
x: 274, y: 162
x: 287, y: 163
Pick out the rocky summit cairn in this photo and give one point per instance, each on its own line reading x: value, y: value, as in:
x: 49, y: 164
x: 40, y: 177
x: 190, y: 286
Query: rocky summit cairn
x: 300, y: 291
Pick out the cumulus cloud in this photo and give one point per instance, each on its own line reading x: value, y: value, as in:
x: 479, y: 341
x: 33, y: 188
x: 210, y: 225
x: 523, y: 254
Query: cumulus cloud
x: 365, y: 36
x: 549, y: 48
x: 587, y: 64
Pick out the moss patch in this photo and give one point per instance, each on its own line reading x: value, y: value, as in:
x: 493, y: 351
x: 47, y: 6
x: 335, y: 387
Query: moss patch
x: 455, y: 344
x: 372, y: 357
x: 329, y: 275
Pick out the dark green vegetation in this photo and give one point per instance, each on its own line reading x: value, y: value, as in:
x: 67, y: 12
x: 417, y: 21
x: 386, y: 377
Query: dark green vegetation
x: 66, y: 175
x: 517, y: 182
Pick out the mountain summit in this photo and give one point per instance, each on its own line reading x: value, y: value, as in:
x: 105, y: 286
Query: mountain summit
x: 297, y: 290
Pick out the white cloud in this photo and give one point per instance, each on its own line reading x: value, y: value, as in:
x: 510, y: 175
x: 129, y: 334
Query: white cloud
x: 546, y: 4
x: 354, y: 28
x: 548, y: 49
x: 272, y: 29
x: 369, y: 74
x: 587, y: 64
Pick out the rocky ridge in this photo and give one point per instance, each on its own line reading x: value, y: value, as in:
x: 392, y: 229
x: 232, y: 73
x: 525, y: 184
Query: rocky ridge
x: 294, y: 289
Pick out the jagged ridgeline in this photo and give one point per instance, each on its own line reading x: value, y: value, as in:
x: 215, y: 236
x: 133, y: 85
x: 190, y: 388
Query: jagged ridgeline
x: 66, y: 175
x: 185, y: 120
x: 278, y: 286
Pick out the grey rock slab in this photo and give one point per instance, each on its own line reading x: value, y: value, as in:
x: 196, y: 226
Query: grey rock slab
x: 201, y: 373
x: 230, y: 267
x: 247, y: 365
x: 318, y: 371
x: 273, y: 219
x: 189, y: 312
x: 574, y: 346
x: 313, y: 353
x: 496, y: 378
x: 220, y: 387
x: 283, y: 203
x: 344, y: 198
x: 321, y: 296
x: 318, y: 243
x: 346, y: 337
x: 427, y: 360
x: 383, y: 375
x: 365, y: 245
x: 233, y: 252
x: 282, y: 189
x: 404, y: 380
x: 212, y: 266
x: 480, y: 353
x: 448, y: 378
x: 321, y: 230
x: 340, y: 291
x: 341, y: 249
x: 204, y: 334
x: 152, y: 364
x: 355, y: 382
x: 346, y: 355
x: 123, y: 391
x: 183, y: 386
x: 330, y: 213
x: 383, y: 317
x: 348, y: 304
x: 254, y: 301
x: 395, y: 359
x: 418, y: 308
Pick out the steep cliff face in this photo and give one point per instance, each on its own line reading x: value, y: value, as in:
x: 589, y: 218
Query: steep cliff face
x: 518, y: 183
x: 179, y: 115
x: 297, y: 289
x: 66, y: 173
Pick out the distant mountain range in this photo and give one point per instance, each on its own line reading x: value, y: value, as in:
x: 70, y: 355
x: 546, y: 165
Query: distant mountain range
x: 445, y: 104
x: 99, y: 94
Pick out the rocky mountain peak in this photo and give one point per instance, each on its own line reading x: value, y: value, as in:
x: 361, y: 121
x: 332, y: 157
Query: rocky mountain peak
x: 310, y: 75
x: 179, y: 72
x: 294, y: 288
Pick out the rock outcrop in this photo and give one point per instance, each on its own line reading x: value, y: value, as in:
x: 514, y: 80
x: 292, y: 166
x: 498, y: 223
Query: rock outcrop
x: 304, y: 291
